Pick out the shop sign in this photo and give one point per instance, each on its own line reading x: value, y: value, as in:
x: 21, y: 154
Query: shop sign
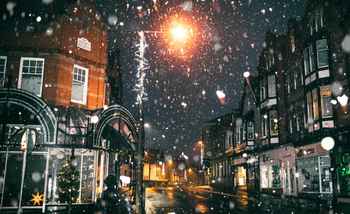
x: 83, y: 43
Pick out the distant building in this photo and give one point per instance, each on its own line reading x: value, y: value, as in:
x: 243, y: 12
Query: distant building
x: 155, y: 170
x: 217, y: 136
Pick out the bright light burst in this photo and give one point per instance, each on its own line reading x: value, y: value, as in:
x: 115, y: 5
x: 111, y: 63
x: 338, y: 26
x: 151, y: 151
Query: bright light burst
x: 179, y: 33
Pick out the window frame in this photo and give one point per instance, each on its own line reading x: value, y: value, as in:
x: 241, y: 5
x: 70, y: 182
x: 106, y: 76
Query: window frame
x: 4, y: 71
x: 20, y: 76
x: 85, y: 89
x: 318, y: 51
x: 324, y: 102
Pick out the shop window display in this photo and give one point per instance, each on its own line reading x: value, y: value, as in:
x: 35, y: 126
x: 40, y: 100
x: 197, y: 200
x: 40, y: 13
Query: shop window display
x: 271, y: 175
x: 314, y: 175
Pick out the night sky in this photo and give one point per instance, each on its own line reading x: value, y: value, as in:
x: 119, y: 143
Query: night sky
x: 182, y: 92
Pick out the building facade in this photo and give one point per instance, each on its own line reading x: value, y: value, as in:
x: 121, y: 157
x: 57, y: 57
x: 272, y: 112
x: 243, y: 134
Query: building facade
x: 217, y: 137
x: 292, y: 131
x: 54, y: 107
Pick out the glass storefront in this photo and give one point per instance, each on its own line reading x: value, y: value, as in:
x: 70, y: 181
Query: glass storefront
x: 270, y: 175
x: 313, y: 174
x: 35, y: 182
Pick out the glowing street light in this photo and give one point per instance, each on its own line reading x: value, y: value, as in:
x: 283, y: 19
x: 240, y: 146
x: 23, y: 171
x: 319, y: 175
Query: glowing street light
x: 327, y: 143
x: 246, y: 74
x: 179, y: 33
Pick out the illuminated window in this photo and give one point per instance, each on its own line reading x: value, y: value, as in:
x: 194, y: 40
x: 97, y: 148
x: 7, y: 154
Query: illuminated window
x: 315, y: 104
x: 327, y: 109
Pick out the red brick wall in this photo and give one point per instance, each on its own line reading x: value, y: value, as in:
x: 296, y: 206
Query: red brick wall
x: 61, y: 53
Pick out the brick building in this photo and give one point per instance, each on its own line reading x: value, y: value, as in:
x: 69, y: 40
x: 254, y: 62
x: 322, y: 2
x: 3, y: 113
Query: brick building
x: 54, y: 96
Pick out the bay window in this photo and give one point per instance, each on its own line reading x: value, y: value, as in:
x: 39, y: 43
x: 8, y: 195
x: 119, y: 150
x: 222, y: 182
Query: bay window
x: 31, y: 75
x: 79, y: 84
x: 318, y: 106
x: 322, y: 53
x: 3, y: 61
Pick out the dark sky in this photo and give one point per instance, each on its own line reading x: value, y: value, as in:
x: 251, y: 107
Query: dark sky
x: 182, y: 92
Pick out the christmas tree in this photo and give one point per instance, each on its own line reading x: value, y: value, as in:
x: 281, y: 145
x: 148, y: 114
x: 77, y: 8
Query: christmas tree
x: 68, y: 182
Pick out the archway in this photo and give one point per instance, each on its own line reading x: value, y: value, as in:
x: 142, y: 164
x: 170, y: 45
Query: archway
x: 117, y: 133
x: 27, y: 123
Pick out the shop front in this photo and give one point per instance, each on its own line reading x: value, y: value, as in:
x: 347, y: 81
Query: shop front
x: 313, y: 170
x: 277, y: 171
x: 51, y: 157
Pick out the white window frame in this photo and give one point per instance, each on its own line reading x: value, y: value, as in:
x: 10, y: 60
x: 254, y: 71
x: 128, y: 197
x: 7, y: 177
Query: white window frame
x: 19, y: 84
x: 5, y: 58
x: 85, y: 92
x: 322, y: 50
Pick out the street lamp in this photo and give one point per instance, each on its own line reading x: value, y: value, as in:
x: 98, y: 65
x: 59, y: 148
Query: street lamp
x: 327, y: 143
x: 179, y: 33
x: 179, y: 36
x: 246, y: 76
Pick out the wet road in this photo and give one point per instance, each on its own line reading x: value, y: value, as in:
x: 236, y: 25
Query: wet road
x: 171, y: 200
x: 178, y: 200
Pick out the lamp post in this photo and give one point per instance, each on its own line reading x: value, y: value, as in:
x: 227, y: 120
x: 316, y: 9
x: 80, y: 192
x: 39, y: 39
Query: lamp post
x: 178, y: 34
x: 328, y: 144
